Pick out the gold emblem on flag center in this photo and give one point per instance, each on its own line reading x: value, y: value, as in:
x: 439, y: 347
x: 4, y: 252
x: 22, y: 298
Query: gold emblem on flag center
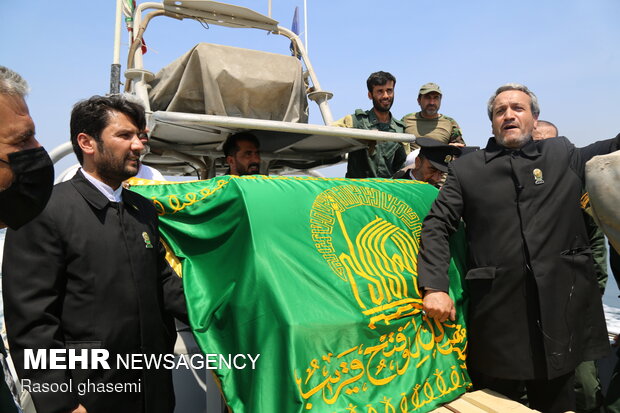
x: 378, y: 260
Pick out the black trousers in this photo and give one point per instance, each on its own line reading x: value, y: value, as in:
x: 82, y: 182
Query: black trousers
x: 547, y: 396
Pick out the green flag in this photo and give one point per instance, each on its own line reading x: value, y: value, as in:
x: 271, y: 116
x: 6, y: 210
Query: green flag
x: 319, y: 277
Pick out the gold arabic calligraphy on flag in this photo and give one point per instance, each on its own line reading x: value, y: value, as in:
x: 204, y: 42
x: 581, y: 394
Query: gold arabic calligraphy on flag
x: 377, y: 260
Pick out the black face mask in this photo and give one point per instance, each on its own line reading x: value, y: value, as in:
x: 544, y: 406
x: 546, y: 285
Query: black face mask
x: 28, y: 194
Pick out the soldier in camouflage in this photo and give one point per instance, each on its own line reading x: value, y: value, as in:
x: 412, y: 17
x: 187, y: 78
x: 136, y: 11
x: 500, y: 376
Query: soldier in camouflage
x: 379, y: 159
x: 428, y: 122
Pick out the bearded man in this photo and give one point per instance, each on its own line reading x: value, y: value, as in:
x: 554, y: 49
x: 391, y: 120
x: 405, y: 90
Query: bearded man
x: 242, y: 151
x: 90, y: 274
x: 535, y: 310
x: 379, y: 159
x: 428, y: 122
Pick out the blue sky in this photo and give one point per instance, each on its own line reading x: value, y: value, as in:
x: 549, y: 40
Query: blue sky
x: 565, y: 51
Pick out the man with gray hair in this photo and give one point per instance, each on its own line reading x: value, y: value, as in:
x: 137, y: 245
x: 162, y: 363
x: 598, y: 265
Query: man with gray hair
x: 534, y: 310
x: 26, y: 177
x: 26, y: 171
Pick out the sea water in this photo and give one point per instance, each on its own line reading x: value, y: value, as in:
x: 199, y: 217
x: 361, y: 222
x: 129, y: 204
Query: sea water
x: 611, y: 305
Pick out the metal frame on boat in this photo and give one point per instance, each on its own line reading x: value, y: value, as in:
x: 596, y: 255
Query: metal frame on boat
x: 185, y: 143
x: 191, y: 143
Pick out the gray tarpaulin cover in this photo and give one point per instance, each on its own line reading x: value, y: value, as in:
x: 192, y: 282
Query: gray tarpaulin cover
x: 602, y: 177
x: 229, y: 81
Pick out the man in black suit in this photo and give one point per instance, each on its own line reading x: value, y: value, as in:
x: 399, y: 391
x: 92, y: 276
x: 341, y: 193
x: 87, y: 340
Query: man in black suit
x: 90, y: 273
x: 26, y: 176
x: 535, y: 311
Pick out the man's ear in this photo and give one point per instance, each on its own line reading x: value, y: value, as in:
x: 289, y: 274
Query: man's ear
x: 87, y: 143
x: 417, y: 164
x: 230, y: 160
x: 369, y: 95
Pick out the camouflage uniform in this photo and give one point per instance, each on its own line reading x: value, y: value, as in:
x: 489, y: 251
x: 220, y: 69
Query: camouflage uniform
x: 380, y: 159
x: 588, y: 390
x: 443, y: 128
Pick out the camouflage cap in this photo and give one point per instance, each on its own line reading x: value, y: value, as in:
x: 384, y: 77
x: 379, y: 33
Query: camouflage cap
x: 429, y: 87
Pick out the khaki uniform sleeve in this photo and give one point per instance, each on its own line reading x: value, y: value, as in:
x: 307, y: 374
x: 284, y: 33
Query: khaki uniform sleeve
x: 346, y: 122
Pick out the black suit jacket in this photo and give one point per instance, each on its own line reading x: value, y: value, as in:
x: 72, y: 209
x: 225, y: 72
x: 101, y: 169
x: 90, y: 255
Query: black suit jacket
x: 535, y: 309
x: 89, y: 273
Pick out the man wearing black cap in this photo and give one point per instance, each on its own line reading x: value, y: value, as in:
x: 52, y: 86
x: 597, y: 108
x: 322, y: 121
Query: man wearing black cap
x: 431, y: 163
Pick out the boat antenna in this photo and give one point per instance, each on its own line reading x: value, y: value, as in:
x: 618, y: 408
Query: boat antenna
x: 305, y: 25
x: 115, y: 70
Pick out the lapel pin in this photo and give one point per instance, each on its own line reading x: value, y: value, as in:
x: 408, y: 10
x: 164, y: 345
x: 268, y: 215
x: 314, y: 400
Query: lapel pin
x: 147, y: 240
x: 538, y: 176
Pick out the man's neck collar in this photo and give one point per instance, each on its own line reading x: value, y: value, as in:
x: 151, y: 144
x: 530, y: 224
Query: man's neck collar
x: 114, y: 195
x: 382, y: 117
x: 494, y: 149
x: 437, y: 115
x: 87, y: 168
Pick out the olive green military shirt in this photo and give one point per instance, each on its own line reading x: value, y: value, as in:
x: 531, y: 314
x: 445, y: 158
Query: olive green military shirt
x: 443, y: 128
x: 380, y: 159
x: 597, y: 243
